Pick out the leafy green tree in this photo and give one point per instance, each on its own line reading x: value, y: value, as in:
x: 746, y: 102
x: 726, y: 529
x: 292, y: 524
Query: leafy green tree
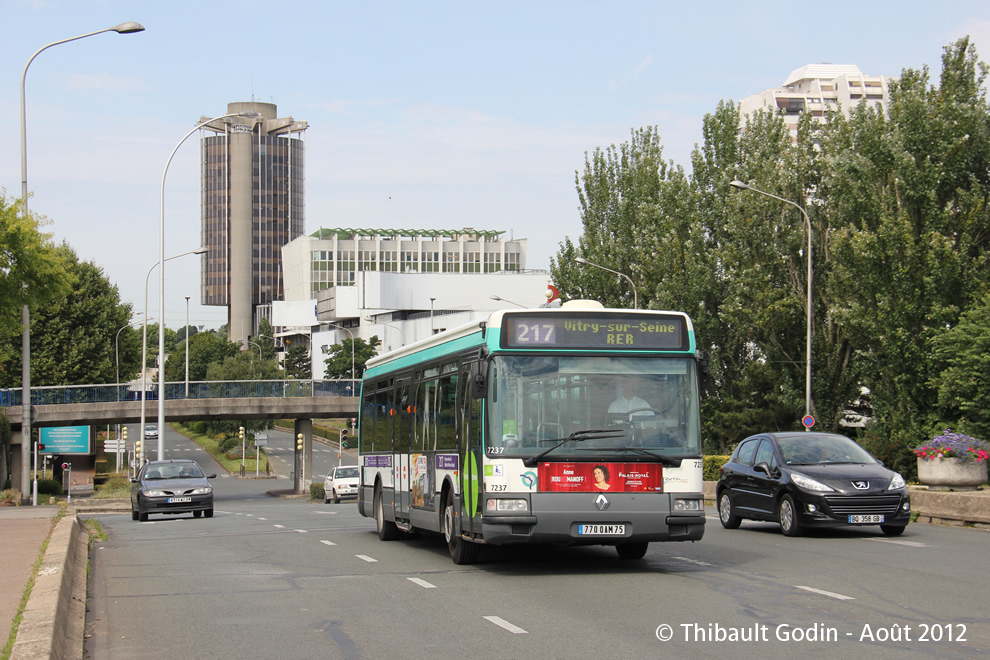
x: 297, y: 362
x: 74, y: 337
x: 964, y: 381
x: 33, y: 272
x: 205, y: 349
x: 243, y: 365
x: 266, y: 339
x: 338, y: 361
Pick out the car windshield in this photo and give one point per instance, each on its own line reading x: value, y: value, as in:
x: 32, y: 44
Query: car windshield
x: 810, y: 448
x: 174, y: 471
x: 346, y: 473
x: 641, y: 403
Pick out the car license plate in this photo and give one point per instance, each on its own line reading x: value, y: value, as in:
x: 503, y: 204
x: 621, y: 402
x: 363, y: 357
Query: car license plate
x: 865, y: 519
x: 601, y: 530
x: 178, y: 500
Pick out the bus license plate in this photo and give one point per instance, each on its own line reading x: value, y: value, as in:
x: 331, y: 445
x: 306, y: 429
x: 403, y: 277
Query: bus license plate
x: 176, y: 500
x: 601, y: 530
x: 865, y: 519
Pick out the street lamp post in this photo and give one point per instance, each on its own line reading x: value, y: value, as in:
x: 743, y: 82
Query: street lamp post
x: 582, y: 260
x: 352, y: 351
x: 402, y: 336
x: 161, y: 273
x: 500, y: 299
x: 807, y: 378
x: 161, y: 352
x: 123, y: 28
x: 187, y: 348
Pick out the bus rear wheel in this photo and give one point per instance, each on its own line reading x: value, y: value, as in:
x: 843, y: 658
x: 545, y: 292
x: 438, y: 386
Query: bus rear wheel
x: 387, y: 531
x: 461, y: 551
x: 636, y: 550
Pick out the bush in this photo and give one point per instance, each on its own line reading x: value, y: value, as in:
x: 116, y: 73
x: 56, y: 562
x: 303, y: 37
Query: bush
x: 711, y: 467
x: 50, y: 487
x: 101, y: 467
x: 316, y: 491
x: 10, y: 497
x: 894, y: 453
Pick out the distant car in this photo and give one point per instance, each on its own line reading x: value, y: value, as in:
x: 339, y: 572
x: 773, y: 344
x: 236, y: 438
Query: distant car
x: 171, y: 487
x: 150, y: 431
x: 342, y: 482
x: 804, y: 480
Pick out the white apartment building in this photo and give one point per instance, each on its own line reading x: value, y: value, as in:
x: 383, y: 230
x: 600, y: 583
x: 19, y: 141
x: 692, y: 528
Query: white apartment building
x: 817, y: 88
x: 400, y: 285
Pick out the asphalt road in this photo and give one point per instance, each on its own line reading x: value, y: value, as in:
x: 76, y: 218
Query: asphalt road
x: 273, y: 577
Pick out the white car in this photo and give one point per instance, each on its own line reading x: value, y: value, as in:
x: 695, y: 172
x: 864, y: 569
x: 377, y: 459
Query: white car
x: 342, y: 482
x: 151, y: 432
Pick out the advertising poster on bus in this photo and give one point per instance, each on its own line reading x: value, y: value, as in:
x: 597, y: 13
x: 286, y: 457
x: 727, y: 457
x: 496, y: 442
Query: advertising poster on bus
x: 422, y: 483
x: 601, y: 477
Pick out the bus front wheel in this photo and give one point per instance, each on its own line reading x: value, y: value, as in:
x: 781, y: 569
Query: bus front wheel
x: 461, y: 551
x: 387, y: 531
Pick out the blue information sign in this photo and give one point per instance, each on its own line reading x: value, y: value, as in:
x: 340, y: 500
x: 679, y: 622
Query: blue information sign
x: 65, y: 440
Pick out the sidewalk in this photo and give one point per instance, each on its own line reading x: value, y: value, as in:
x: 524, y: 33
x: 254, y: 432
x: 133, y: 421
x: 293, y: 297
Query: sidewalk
x: 23, y: 529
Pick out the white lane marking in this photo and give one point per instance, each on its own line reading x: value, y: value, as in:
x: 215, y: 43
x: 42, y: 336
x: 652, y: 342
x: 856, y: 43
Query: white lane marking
x: 301, y: 531
x: 279, y: 526
x: 422, y: 583
x: 502, y: 623
x: 262, y: 518
x: 825, y: 593
x: 325, y: 542
x: 325, y: 513
x: 696, y: 562
x: 912, y: 544
x: 367, y: 559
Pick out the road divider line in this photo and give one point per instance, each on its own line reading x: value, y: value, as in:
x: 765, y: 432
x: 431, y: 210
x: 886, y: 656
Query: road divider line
x: 502, y: 623
x: 279, y: 526
x: 366, y: 558
x: 422, y: 583
x: 911, y: 544
x: 301, y: 531
x: 826, y: 593
x: 325, y: 542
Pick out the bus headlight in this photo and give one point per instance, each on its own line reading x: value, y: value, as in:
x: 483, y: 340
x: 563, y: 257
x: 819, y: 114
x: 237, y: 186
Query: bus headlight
x: 496, y: 505
x: 687, y: 505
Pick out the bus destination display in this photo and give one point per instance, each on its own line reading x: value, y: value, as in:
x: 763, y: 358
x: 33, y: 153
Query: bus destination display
x: 632, y: 331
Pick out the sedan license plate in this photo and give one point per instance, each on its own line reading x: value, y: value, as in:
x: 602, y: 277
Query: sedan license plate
x: 601, y: 530
x: 865, y: 519
x: 178, y: 500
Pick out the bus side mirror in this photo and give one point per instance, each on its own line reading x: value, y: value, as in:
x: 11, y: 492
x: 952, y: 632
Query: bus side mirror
x: 704, y: 371
x: 479, y: 379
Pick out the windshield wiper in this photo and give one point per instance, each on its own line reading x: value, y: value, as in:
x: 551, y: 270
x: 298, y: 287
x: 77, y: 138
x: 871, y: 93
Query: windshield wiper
x: 577, y: 436
x: 672, y: 461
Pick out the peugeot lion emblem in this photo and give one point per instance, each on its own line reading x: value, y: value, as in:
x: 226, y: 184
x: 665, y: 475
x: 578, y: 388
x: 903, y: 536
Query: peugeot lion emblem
x: 861, y: 485
x: 601, y: 503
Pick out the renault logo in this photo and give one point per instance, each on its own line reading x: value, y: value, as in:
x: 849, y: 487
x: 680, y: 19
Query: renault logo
x: 861, y: 485
x: 601, y: 503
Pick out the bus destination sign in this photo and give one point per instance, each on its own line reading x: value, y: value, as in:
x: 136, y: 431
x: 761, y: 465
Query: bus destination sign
x: 595, y: 331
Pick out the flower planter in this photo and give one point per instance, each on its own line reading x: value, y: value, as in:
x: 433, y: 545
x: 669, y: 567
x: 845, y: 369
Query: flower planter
x: 951, y: 473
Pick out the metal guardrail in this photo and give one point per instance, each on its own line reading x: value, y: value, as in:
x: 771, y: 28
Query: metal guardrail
x: 60, y: 395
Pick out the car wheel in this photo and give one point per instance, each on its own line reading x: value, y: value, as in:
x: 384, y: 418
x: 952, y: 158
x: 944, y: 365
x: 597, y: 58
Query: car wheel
x: 134, y: 514
x: 726, y: 515
x: 635, y: 550
x: 461, y: 551
x: 336, y: 500
x: 208, y: 513
x: 142, y: 516
x: 197, y: 514
x: 892, y: 530
x: 387, y: 531
x: 787, y: 515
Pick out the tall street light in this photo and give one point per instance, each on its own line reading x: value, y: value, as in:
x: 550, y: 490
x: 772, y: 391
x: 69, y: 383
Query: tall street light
x: 161, y: 352
x: 123, y: 28
x: 161, y: 273
x: 340, y: 327
x: 402, y: 336
x: 582, y: 260
x: 807, y: 378
x: 500, y: 299
x: 187, y: 348
x: 116, y: 349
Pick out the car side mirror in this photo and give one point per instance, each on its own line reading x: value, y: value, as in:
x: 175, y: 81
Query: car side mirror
x: 211, y: 476
x: 764, y: 468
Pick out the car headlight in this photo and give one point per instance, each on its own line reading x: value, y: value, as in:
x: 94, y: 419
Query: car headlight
x: 896, y: 482
x: 687, y: 505
x: 154, y: 493
x: 206, y: 490
x: 810, y: 484
x: 494, y: 505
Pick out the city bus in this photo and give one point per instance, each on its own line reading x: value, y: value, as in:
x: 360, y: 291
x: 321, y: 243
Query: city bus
x: 576, y: 425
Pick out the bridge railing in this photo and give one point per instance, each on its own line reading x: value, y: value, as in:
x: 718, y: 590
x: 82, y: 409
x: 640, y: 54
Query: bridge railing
x: 60, y: 395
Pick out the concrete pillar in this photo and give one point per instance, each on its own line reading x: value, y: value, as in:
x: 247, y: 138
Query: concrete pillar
x: 241, y: 323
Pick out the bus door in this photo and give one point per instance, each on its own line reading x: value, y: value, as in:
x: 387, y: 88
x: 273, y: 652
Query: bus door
x: 400, y: 459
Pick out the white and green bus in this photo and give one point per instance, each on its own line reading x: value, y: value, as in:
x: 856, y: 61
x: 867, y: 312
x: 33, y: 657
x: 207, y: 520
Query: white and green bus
x: 578, y: 425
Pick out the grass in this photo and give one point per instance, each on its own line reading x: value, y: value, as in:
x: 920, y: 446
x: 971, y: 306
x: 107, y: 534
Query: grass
x: 232, y: 465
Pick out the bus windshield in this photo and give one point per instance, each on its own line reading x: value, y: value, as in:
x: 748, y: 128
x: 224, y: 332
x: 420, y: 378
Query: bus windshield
x: 648, y: 404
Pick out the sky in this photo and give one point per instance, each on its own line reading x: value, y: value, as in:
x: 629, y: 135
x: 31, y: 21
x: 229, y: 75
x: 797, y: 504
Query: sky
x: 422, y: 115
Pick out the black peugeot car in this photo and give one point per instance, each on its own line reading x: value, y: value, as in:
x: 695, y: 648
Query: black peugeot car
x: 171, y: 487
x: 804, y: 480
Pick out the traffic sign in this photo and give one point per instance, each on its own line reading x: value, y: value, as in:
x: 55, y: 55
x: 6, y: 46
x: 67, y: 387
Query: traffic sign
x: 808, y: 421
x: 261, y: 442
x: 114, y: 445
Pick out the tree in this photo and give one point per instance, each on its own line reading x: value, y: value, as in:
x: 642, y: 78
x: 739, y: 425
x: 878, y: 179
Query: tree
x: 205, y: 349
x: 33, y: 272
x: 243, y: 365
x: 74, y: 337
x: 338, y: 361
x: 266, y: 339
x: 297, y: 362
x: 963, y: 352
